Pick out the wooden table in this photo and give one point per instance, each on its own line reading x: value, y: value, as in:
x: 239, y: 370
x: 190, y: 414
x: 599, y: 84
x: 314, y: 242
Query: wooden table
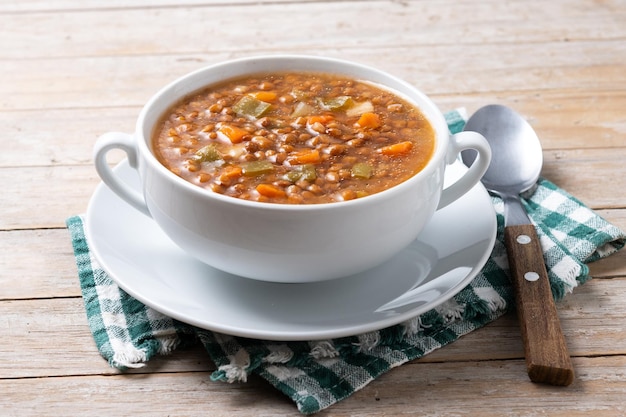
x: 70, y: 71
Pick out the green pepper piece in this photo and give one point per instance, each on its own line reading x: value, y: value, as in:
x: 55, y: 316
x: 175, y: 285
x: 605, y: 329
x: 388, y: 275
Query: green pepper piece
x: 256, y: 168
x: 293, y: 176
x: 337, y: 103
x: 361, y: 170
x: 208, y: 153
x: 308, y: 172
x: 251, y: 107
x: 302, y: 172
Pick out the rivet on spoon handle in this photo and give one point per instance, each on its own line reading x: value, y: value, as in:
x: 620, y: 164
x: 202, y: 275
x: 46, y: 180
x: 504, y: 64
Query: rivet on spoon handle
x: 547, y: 358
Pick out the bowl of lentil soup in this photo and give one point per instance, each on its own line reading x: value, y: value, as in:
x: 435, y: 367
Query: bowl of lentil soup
x: 291, y: 168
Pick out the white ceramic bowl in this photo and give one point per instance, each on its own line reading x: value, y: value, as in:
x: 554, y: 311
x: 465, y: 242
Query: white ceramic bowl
x: 282, y: 242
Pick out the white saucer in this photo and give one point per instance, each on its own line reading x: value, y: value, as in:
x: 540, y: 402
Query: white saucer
x: 449, y: 253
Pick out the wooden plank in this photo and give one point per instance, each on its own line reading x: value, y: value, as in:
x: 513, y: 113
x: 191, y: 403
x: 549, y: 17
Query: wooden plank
x: 44, y: 197
x: 52, y: 272
x: 284, y: 26
x: 60, y: 137
x: 46, y: 6
x: 577, y: 171
x: 131, y: 80
x: 592, y: 318
x: 572, y: 119
x: 167, y: 394
x: 66, y: 136
x: 492, y: 388
x: 55, y: 340
x: 40, y: 265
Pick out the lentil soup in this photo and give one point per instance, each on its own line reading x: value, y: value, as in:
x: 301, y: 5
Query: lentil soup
x: 297, y: 138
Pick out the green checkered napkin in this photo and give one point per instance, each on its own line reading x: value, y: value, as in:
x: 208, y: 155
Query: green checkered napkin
x: 317, y: 374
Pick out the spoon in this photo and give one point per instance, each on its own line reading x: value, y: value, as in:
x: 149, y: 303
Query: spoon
x: 514, y: 169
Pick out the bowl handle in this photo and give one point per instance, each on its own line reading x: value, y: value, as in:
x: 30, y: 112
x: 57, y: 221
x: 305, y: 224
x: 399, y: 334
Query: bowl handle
x: 458, y: 143
x: 125, y: 142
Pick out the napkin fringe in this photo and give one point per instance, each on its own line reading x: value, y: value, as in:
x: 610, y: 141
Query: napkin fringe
x: 450, y: 310
x: 323, y: 349
x: 413, y: 326
x: 367, y: 342
x: 168, y: 344
x: 236, y: 370
x: 492, y: 300
x: 135, y: 360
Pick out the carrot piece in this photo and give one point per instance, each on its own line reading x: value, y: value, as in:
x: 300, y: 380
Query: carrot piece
x: 397, y: 148
x: 270, y: 191
x: 305, y: 157
x: 369, y: 120
x: 265, y: 95
x: 230, y: 173
x: 234, y: 134
x: 321, y: 118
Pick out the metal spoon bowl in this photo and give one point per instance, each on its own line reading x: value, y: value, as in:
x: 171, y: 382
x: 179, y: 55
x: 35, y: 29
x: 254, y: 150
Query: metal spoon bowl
x: 517, y: 155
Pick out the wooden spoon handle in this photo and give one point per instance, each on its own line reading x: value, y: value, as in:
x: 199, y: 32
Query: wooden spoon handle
x: 547, y: 358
